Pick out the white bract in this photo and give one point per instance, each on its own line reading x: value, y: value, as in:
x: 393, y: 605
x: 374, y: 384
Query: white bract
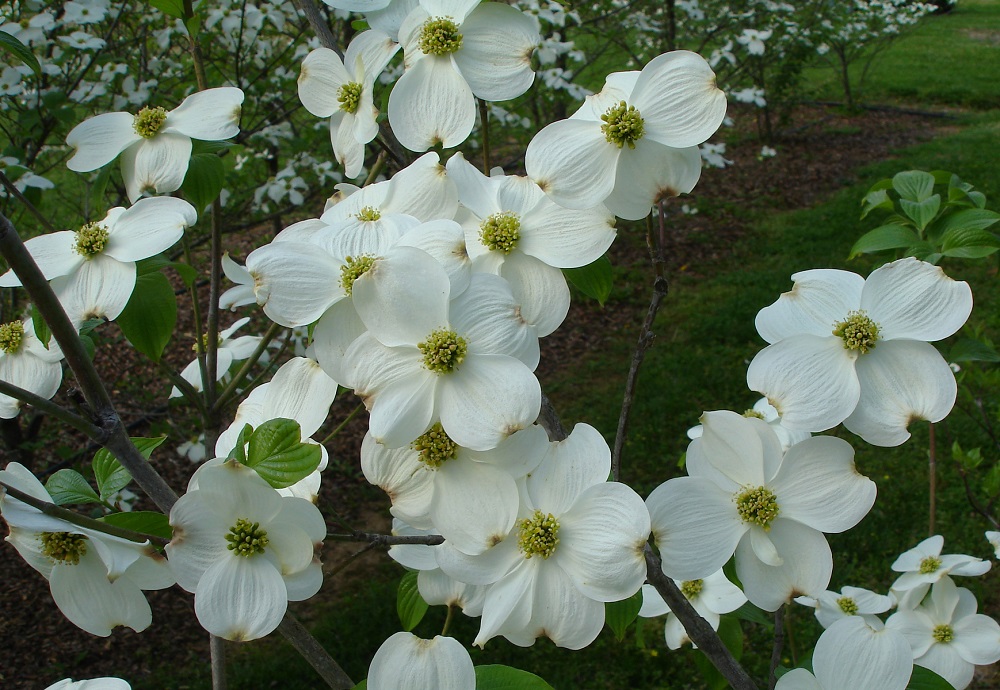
x: 634, y: 143
x: 229, y: 350
x: 342, y: 91
x: 946, y: 634
x: 578, y: 543
x: 923, y: 565
x: 93, y: 269
x: 456, y: 51
x: 846, y: 349
x: 155, y: 143
x: 744, y: 496
x: 26, y: 363
x: 994, y: 539
x: 96, y: 579
x: 762, y: 409
x: 854, y: 654
x: 850, y: 601
x: 106, y: 683
x: 244, y: 550
x: 407, y: 662
x: 710, y: 597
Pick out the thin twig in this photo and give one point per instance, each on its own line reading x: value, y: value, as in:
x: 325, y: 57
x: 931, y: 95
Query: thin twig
x: 49, y: 407
x: 376, y: 539
x: 340, y: 427
x: 319, y: 25
x: 779, y: 643
x: 484, y: 118
x: 931, y: 480
x: 16, y: 193
x: 226, y: 396
x: 217, y: 646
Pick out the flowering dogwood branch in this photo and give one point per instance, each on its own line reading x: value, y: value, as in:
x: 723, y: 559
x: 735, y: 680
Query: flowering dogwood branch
x: 376, y: 539
x: 46, y: 405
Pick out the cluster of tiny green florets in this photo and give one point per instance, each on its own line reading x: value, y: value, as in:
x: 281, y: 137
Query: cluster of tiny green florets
x: 91, y: 240
x: 692, y: 588
x: 439, y: 36
x: 858, y: 331
x: 11, y: 337
x: 349, y: 97
x: 752, y: 413
x: 246, y: 538
x: 943, y: 633
x: 929, y: 565
x: 757, y: 505
x: 847, y: 605
x: 435, y: 447
x: 354, y: 268
x: 623, y: 125
x: 201, y: 344
x: 148, y: 121
x: 368, y: 213
x: 539, y: 535
x: 501, y: 231
x: 63, y: 546
x: 443, y: 350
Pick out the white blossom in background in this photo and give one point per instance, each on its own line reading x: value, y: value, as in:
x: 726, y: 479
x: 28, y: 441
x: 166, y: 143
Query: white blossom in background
x: 745, y: 496
x: 456, y: 51
x: 923, y: 565
x: 577, y: 544
x: 994, y: 539
x: 93, y: 269
x: 26, y: 363
x: 753, y: 40
x: 767, y: 152
x: 155, y: 143
x: 407, y: 662
x: 711, y: 597
x: 512, y: 229
x: 244, y: 550
x: 830, y: 606
x: 846, y: 349
x: 713, y: 156
x: 854, y: 654
x: 762, y: 409
x: 343, y: 92
x: 633, y: 143
x: 946, y: 634
x: 95, y: 579
x: 193, y: 449
x: 751, y: 95
x: 106, y: 683
x: 230, y: 350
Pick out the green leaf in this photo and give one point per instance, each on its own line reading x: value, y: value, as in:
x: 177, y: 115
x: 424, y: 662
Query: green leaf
x: 149, y: 318
x: 499, y: 677
x: 410, y: 606
x: 193, y: 24
x: 978, y: 198
x: 278, y: 455
x: 969, y: 219
x: 69, y: 486
x: 884, y: 237
x: 20, y: 51
x: 969, y: 243
x: 359, y: 25
x: 204, y: 179
x: 198, y: 147
x: 593, y: 280
x: 156, y: 263
x: 970, y: 350
x: 876, y: 199
x: 363, y: 685
x: 618, y: 615
x: 145, y: 521
x: 98, y: 187
x: 171, y: 8
x: 925, y: 679
x: 42, y: 331
x: 922, y: 212
x: 239, y: 452
x: 751, y: 613
x: 111, y: 477
x: 913, y: 185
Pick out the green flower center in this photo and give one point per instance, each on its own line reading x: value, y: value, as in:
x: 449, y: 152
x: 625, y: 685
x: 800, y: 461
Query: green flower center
x: 91, y: 240
x: 201, y: 344
x: 443, y: 350
x: 435, y: 447
x: 539, y: 535
x: 753, y: 414
x: 757, y: 505
x: 692, y: 588
x: 858, y: 331
x: 63, y: 546
x: 368, y: 213
x: 930, y: 565
x: 246, y: 538
x: 148, y: 121
x: 847, y: 605
x: 349, y: 97
x: 623, y: 125
x: 501, y: 231
x: 943, y: 633
x: 11, y: 336
x: 354, y: 269
x: 440, y: 36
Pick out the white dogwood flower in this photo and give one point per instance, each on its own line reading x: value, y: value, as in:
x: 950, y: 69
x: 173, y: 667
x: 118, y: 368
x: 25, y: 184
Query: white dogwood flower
x: 244, y: 550
x: 745, y: 496
x: 106, y: 683
x: 923, y: 565
x: 407, y: 662
x: 155, y: 143
x: 229, y: 351
x: 762, y: 409
x: 831, y: 606
x: 93, y: 269
x: 711, y: 597
x: 846, y: 349
x: 26, y: 363
x: 635, y: 142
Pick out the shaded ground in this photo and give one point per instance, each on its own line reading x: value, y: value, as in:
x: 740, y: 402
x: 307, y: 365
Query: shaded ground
x: 819, y: 154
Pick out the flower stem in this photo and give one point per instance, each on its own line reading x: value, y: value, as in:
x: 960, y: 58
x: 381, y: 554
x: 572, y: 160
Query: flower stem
x: 931, y: 479
x: 217, y: 646
x: 340, y: 427
x: 779, y: 643
x: 447, y: 620
x: 484, y: 117
x: 226, y: 396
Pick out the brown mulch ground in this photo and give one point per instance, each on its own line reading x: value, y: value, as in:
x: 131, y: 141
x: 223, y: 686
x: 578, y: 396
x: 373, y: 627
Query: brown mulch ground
x: 818, y: 155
